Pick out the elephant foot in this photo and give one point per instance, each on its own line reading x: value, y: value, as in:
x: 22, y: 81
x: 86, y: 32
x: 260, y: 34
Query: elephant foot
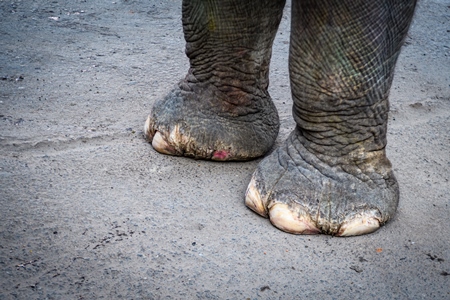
x: 306, y: 193
x: 203, y: 123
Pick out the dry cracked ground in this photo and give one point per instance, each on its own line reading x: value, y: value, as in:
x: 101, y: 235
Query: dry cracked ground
x: 88, y: 210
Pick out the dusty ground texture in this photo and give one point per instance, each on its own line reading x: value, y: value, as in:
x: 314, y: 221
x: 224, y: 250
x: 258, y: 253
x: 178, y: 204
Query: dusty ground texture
x: 88, y: 210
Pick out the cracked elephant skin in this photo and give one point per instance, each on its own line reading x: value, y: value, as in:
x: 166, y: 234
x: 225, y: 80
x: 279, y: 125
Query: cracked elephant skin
x: 331, y: 175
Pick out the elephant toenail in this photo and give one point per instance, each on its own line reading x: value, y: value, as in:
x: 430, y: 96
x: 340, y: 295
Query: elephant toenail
x: 288, y: 219
x: 160, y: 145
x: 147, y: 130
x: 253, y: 199
x: 358, y: 226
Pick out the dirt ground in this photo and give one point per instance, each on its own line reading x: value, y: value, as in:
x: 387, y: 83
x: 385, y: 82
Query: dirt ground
x: 88, y: 210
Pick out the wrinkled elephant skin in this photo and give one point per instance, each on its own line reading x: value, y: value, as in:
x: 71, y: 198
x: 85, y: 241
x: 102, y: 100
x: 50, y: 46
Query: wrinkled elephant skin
x: 331, y: 175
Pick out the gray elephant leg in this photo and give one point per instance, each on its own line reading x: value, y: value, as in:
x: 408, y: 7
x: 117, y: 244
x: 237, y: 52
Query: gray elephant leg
x: 332, y: 175
x: 221, y: 110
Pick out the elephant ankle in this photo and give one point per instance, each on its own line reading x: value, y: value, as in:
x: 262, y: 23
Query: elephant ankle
x: 230, y: 99
x: 362, y: 160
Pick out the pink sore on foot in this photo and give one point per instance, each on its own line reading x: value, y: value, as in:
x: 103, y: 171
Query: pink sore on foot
x: 220, y: 155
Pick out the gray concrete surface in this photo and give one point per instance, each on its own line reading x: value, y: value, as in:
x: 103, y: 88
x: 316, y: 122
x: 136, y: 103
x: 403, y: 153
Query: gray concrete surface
x: 88, y: 210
